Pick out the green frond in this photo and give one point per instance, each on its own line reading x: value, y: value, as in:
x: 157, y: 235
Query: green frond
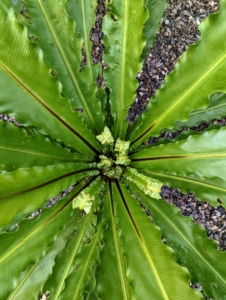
x: 190, y: 244
x: 199, y: 72
x: 196, y: 164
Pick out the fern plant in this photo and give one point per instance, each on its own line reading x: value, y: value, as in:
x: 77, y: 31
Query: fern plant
x: 94, y: 241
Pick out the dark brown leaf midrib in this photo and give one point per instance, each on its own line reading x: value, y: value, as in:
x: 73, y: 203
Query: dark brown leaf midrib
x: 128, y: 211
x: 50, y: 110
x: 142, y: 135
x: 45, y: 183
x: 157, y: 158
x: 70, y: 200
x: 201, y: 156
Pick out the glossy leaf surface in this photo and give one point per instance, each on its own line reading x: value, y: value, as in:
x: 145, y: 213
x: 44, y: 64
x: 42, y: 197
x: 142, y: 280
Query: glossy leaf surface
x: 83, y: 13
x: 33, y: 238
x: 19, y: 150
x: 137, y: 249
x: 187, y: 88
x: 122, y: 57
x: 30, y: 279
x: 191, y: 244
x: 76, y: 262
x: 196, y: 164
x: 215, y: 110
x: 18, y: 188
x: 18, y: 77
x: 55, y: 33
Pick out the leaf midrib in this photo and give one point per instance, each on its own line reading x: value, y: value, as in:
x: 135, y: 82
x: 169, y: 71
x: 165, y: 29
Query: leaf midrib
x: 47, y: 219
x: 122, y: 69
x: 23, y: 240
x: 118, y: 253
x: 202, y: 111
x: 156, y: 274
x: 22, y: 282
x: 186, y: 156
x: 67, y: 65
x: 45, y: 183
x: 85, y: 267
x: 184, y: 95
x: 144, y: 248
x: 190, y: 245
x: 192, y: 89
x: 70, y: 262
x: 32, y: 152
x: 208, y: 185
x: 49, y: 109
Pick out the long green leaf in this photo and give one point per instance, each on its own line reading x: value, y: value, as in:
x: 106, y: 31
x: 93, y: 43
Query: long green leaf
x: 156, y: 9
x: 113, y: 262
x: 24, y: 85
x: 191, y: 246
x: 196, y: 164
x: 27, y: 245
x: 18, y: 150
x: 31, y: 281
x: 216, y: 110
x: 124, y: 43
x: 66, y: 262
x: 150, y: 265
x: 25, y: 190
x: 83, y: 12
x: 199, y: 72
x: 82, y: 280
x: 63, y: 53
